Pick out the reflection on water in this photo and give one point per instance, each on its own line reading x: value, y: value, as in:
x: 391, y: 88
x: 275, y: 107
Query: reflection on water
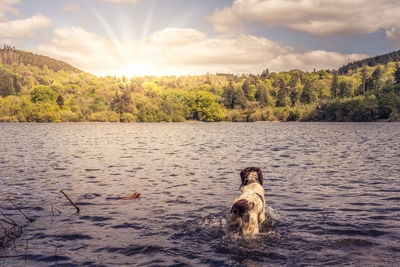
x: 336, y: 188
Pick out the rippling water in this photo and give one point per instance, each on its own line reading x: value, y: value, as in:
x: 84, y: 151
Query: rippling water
x: 335, y: 186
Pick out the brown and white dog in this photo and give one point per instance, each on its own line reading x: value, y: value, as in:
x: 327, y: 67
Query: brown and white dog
x: 248, y: 210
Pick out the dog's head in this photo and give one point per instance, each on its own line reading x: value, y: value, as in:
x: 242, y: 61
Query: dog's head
x: 250, y: 175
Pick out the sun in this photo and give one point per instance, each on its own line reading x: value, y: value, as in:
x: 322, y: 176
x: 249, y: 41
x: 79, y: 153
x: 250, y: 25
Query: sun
x: 141, y: 69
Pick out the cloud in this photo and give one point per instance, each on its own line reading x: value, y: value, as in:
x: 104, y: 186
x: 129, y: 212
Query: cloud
x: 182, y: 52
x: 16, y: 31
x: 81, y: 48
x: 320, y: 18
x: 393, y: 36
x: 71, y: 8
x: 6, y: 6
x: 121, y: 1
x: 174, y: 36
x: 318, y: 59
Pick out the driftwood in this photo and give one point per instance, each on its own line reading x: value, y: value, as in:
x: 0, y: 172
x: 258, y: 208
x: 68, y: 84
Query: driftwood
x: 54, y: 209
x: 136, y: 195
x: 20, y: 211
x: 72, y: 203
x: 10, y: 221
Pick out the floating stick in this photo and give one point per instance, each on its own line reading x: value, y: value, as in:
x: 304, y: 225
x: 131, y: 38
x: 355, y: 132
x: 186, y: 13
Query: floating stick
x: 73, y: 204
x: 136, y: 195
x: 54, y: 209
x: 26, y: 217
x: 9, y: 221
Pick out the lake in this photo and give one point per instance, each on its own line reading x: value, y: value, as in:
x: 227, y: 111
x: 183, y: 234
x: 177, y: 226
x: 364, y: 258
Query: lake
x: 336, y: 187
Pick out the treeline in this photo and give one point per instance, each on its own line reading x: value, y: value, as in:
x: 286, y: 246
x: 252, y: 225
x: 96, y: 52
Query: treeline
x: 10, y: 55
x: 371, y: 62
x: 29, y: 93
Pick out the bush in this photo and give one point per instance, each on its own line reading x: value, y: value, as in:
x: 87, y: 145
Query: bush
x: 8, y: 119
x: 69, y: 116
x: 104, y: 116
x: 281, y: 113
x: 127, y: 117
x: 355, y: 109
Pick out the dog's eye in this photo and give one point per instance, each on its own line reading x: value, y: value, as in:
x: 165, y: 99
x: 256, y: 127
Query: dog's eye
x: 235, y: 211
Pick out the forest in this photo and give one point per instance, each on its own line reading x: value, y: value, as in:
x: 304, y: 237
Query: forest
x: 40, y: 89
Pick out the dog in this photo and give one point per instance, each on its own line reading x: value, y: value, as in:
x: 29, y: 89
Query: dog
x: 247, y: 213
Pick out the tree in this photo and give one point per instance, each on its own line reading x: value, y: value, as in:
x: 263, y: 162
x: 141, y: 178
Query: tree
x: 265, y: 74
x: 306, y: 94
x: 375, y: 80
x: 397, y: 74
x: 240, y: 98
x: 122, y: 103
x: 335, y: 85
x: 362, y: 87
x: 282, y: 98
x: 206, y: 108
x: 42, y: 93
x: 248, y: 90
x: 262, y: 95
x: 296, y: 88
x: 229, y: 96
x: 60, y: 101
x: 233, y: 96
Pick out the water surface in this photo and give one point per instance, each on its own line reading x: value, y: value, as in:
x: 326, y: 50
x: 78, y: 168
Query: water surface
x: 335, y: 185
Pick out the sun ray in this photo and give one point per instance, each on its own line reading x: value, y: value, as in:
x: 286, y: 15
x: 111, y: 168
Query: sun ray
x: 108, y: 29
x: 147, y: 25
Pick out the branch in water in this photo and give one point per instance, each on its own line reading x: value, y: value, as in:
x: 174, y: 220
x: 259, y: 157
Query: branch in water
x: 73, y: 204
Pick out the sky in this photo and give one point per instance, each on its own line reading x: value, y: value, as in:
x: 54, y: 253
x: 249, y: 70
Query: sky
x: 190, y: 37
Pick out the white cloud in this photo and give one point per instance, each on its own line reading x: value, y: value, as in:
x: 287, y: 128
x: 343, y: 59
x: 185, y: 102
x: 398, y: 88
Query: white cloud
x: 321, y: 18
x: 122, y: 1
x: 72, y: 8
x: 81, y: 48
x: 174, y: 36
x: 6, y: 6
x: 393, y: 36
x: 318, y: 59
x: 16, y: 31
x: 158, y: 55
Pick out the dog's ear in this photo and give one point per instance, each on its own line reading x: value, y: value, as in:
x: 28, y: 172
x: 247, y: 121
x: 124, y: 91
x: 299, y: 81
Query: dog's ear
x: 243, y: 177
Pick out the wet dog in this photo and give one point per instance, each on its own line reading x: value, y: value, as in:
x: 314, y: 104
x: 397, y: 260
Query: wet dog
x: 248, y: 210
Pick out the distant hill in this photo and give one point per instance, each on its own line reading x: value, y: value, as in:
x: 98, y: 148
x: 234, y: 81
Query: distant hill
x: 372, y: 61
x: 10, y: 55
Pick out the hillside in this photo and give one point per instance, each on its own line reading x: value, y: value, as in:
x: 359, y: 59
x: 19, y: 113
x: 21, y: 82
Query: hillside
x: 9, y: 55
x: 35, y: 93
x: 371, y: 62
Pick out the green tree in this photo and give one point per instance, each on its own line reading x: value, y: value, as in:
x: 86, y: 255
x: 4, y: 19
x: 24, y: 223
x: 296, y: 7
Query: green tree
x: 306, y: 94
x: 376, y: 77
x: 334, y: 85
x: 374, y: 82
x: 282, y: 97
x: 206, y: 108
x: 42, y: 93
x: 397, y: 74
x: 233, y: 96
x: 362, y: 87
x: 249, y: 90
x: 122, y: 103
